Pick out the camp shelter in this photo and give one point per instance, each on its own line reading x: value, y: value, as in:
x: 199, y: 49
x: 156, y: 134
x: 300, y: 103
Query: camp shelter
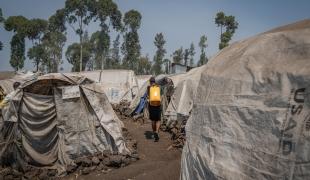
x: 142, y: 79
x: 55, y: 118
x: 181, y: 101
x: 118, y: 84
x: 251, y: 114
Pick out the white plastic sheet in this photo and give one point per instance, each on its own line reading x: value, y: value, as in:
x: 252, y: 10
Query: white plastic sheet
x: 251, y: 114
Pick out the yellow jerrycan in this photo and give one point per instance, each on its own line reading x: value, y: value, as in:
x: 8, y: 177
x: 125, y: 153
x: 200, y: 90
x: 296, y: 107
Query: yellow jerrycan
x: 155, y: 95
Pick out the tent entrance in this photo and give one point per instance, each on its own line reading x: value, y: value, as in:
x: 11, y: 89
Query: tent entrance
x: 38, y: 124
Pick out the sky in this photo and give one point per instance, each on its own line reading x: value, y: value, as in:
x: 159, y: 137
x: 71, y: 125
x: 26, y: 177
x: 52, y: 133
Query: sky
x: 181, y: 21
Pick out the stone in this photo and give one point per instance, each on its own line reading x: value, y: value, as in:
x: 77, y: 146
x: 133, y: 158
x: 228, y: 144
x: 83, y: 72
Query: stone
x: 95, y: 161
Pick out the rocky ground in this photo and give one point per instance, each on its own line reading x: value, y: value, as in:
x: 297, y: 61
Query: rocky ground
x: 98, y: 163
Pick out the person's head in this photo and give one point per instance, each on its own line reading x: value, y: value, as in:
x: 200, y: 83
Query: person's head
x: 152, y: 80
x: 16, y: 85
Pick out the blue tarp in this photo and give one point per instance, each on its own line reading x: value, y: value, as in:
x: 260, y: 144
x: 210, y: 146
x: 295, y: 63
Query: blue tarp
x: 141, y: 105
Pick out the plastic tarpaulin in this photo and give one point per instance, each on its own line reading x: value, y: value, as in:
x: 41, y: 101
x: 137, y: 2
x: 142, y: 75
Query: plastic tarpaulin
x: 117, y: 84
x: 251, y: 115
x: 181, y: 102
x: 54, y: 129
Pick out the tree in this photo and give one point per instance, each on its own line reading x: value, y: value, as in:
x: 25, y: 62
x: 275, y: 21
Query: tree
x: 1, y: 21
x: 103, y: 10
x: 144, y: 65
x: 186, y: 57
x: 17, y: 24
x: 220, y: 21
x: 167, y: 65
x: 100, y: 41
x: 17, y: 51
x: 78, y: 16
x: 37, y: 54
x: 115, y: 56
x: 191, y: 54
x: 177, y: 56
x: 160, y: 53
x: 73, y: 55
x: 202, y: 44
x: 230, y: 24
x: 35, y: 29
x: 54, y: 40
x: 131, y: 45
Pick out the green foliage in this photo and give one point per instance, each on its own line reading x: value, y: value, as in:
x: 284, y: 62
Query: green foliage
x: 230, y: 24
x: 73, y: 55
x: 100, y: 42
x: 104, y: 9
x: 186, y: 57
x: 203, y: 45
x: 177, y: 56
x: 17, y: 24
x: 131, y: 45
x: 35, y: 28
x: 203, y: 42
x: 17, y: 51
x: 220, y: 19
x: 1, y: 20
x: 1, y: 16
x: 81, y: 12
x: 144, y: 65
x: 160, y: 53
x: 78, y: 16
x: 226, y: 37
x: 191, y: 54
x: 53, y: 43
x: 132, y: 20
x: 57, y: 22
x: 115, y: 56
x: 37, y: 54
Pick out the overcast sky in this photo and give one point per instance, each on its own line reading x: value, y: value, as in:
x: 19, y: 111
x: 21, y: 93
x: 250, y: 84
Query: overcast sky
x: 181, y: 21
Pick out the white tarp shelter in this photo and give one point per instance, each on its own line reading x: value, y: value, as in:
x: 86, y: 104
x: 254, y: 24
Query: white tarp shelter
x: 117, y: 84
x: 251, y: 114
x: 55, y: 118
x: 181, y: 101
x: 142, y: 79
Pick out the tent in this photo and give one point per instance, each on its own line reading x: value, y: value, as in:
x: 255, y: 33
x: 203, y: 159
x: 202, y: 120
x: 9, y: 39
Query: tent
x: 181, y: 102
x: 251, y: 114
x: 142, y: 79
x: 117, y: 84
x: 55, y: 118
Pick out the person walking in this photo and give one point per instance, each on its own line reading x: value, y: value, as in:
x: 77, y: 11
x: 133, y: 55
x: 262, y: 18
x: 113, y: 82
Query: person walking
x: 154, y: 99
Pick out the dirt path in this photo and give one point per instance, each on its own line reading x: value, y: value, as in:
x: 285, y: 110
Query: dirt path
x: 156, y: 162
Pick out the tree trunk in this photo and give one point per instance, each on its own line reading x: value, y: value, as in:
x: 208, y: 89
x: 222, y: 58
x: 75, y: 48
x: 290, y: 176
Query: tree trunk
x: 81, y: 44
x: 102, y: 62
x: 221, y: 32
x: 81, y: 54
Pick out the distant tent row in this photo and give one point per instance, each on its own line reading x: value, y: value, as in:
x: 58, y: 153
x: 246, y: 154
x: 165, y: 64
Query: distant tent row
x: 55, y: 118
x: 118, y: 84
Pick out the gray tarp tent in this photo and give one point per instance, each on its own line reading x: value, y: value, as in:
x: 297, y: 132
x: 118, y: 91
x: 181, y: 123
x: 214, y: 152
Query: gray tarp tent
x: 181, y: 102
x: 118, y: 84
x: 56, y: 118
x: 251, y: 115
